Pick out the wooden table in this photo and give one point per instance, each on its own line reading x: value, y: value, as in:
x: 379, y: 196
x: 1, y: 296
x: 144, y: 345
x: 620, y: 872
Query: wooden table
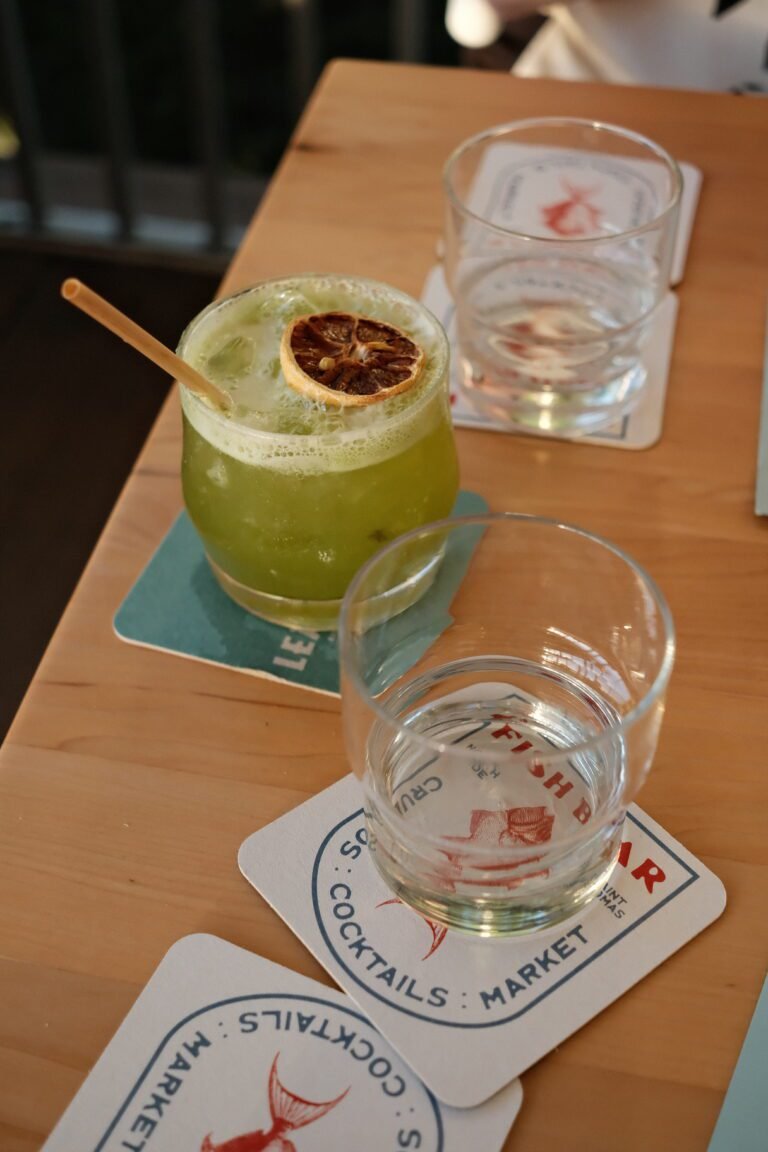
x: 130, y: 778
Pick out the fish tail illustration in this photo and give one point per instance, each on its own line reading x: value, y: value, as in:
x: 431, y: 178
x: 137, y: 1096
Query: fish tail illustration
x: 290, y: 1112
x: 439, y: 934
x: 438, y: 931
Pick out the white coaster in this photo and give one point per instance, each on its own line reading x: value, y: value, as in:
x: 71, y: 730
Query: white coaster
x: 225, y: 1052
x: 468, y: 1014
x: 639, y: 429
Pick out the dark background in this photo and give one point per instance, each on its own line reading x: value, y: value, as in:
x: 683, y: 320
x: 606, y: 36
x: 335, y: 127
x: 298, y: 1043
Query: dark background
x: 77, y: 404
x: 253, y: 47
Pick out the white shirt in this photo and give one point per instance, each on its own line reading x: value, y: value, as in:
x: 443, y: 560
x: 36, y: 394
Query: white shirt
x: 715, y: 44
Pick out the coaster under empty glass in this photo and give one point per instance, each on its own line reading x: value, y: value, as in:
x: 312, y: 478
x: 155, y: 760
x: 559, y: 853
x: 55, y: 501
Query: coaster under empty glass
x: 559, y: 243
x: 499, y: 759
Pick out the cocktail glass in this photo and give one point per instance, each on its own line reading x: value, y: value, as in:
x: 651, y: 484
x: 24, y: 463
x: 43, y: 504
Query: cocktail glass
x: 290, y: 496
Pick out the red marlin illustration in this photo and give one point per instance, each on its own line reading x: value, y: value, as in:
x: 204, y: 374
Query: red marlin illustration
x: 287, y: 1112
x: 575, y: 216
x: 503, y: 827
x: 508, y: 826
x: 438, y: 931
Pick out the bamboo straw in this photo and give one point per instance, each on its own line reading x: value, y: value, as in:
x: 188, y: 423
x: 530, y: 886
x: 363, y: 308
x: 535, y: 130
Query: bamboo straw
x: 100, y: 309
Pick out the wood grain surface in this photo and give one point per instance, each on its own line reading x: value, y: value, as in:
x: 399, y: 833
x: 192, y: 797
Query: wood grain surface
x: 130, y: 778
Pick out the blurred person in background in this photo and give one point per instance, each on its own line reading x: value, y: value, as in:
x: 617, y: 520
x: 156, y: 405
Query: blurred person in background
x: 714, y: 44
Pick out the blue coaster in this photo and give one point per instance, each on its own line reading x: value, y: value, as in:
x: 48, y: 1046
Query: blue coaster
x: 743, y: 1121
x: 176, y: 606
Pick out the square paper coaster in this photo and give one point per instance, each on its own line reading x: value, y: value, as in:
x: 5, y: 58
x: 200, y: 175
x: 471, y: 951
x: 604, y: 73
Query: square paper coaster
x: 176, y: 606
x: 639, y: 429
x: 226, y: 1052
x: 468, y: 1014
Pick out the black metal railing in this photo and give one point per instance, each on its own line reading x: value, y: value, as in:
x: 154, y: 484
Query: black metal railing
x: 33, y: 208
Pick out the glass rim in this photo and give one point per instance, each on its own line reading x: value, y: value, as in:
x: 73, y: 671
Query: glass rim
x: 489, y: 134
x: 226, y: 421
x: 349, y: 667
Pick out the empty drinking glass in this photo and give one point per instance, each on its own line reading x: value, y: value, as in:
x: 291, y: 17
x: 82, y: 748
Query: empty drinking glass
x: 559, y: 242
x: 500, y: 733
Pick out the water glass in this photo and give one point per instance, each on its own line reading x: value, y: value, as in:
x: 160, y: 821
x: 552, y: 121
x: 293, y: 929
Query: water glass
x: 501, y: 732
x: 559, y: 243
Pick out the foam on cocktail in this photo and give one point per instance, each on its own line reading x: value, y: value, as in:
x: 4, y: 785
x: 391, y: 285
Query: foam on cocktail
x: 237, y: 345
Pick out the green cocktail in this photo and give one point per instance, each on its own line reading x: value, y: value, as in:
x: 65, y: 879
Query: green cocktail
x: 290, y: 496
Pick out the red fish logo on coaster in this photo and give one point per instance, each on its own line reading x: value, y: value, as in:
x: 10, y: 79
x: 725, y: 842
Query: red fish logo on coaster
x: 287, y: 1113
x: 509, y: 826
x: 438, y: 931
x: 504, y: 827
x: 577, y: 215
